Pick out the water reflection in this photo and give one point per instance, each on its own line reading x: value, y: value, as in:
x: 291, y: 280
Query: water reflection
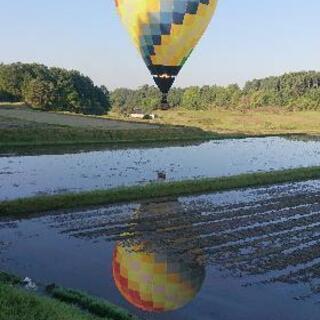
x: 36, y: 175
x: 153, y: 281
x: 148, y: 272
x: 245, y: 254
x: 6, y: 152
x: 265, y: 236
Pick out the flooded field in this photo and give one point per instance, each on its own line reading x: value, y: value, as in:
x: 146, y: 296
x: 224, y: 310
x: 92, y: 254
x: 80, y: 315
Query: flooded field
x: 29, y: 175
x: 247, y: 254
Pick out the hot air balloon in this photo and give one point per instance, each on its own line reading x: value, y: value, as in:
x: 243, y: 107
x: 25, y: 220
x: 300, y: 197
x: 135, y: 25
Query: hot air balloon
x: 165, y: 32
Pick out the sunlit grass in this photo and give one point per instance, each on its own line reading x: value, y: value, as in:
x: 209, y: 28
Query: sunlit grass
x: 175, y: 125
x: 17, y: 133
x: 250, y: 122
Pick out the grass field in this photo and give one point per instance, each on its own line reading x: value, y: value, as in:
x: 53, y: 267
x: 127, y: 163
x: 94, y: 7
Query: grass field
x: 16, y: 304
x: 20, y: 126
x: 70, y: 120
x: 15, y: 133
x: 41, y: 204
x: 242, y: 123
x: 58, y: 303
x: 255, y: 122
x: 24, y: 127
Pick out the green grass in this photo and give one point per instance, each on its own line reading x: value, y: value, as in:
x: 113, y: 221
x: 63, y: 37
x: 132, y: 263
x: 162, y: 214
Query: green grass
x: 16, y: 304
x: 173, y: 125
x: 245, y: 122
x: 19, y: 135
x: 60, y: 303
x: 97, y: 307
x: 65, y: 136
x: 27, y: 206
x: 7, y: 278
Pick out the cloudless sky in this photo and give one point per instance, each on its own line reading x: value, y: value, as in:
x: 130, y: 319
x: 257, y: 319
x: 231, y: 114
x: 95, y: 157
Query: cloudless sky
x: 246, y: 39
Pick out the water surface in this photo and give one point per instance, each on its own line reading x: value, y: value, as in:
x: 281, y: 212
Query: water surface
x: 247, y: 254
x: 24, y: 176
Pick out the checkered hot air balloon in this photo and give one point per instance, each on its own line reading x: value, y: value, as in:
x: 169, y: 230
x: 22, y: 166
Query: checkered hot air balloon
x: 166, y: 32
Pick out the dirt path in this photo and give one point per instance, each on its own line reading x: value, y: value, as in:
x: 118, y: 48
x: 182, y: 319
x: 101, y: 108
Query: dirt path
x: 71, y: 120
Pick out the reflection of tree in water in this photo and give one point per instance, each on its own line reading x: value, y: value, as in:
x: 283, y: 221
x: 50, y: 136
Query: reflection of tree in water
x: 274, y: 239
x: 163, y: 226
x: 3, y: 243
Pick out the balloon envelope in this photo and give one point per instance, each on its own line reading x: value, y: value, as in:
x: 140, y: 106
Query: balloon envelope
x: 165, y: 32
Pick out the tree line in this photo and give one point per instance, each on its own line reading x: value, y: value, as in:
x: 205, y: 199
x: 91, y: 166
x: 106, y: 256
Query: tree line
x: 52, y: 89
x: 58, y: 89
x: 292, y: 91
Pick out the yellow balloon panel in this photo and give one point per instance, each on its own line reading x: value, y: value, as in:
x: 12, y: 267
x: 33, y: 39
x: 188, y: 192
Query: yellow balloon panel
x: 166, y: 31
x: 154, y: 282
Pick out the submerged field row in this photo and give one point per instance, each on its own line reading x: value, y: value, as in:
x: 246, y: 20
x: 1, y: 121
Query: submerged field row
x: 275, y: 239
x: 255, y: 237
x: 200, y: 214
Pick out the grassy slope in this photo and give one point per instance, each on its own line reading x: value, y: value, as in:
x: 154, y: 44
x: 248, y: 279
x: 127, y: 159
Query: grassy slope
x: 98, y: 307
x: 255, y: 122
x: 16, y: 304
x: 14, y: 132
x: 60, y: 303
x: 18, y: 132
x: 54, y: 135
x: 154, y: 190
x: 178, y: 125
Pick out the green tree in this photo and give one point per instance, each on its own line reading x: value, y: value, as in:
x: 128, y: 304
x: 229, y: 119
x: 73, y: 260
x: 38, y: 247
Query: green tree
x: 52, y: 88
x: 39, y: 94
x: 191, y: 98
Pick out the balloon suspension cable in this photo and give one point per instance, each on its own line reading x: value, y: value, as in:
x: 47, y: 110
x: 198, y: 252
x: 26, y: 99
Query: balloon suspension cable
x: 164, y: 101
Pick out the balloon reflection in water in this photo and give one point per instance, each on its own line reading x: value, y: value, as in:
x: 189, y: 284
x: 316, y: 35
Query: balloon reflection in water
x: 152, y: 276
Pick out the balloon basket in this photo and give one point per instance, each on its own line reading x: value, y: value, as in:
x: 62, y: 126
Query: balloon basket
x: 164, y: 102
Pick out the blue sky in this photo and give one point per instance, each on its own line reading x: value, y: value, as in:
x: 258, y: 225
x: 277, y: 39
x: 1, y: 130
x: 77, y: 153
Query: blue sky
x: 246, y: 39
